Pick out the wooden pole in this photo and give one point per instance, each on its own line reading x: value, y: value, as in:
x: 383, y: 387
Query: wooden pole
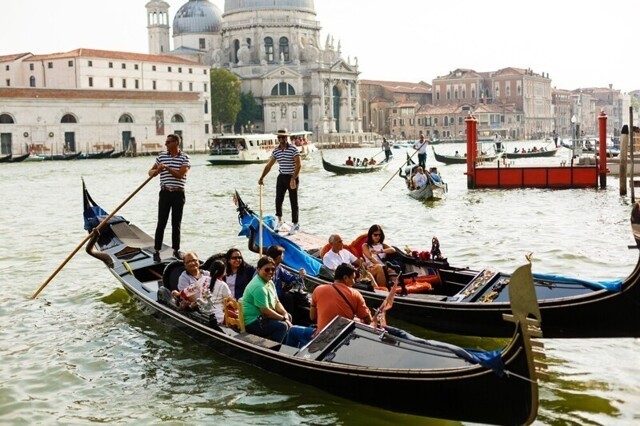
x: 631, y: 156
x: 403, y: 164
x: 624, y: 143
x: 260, y: 227
x: 95, y: 230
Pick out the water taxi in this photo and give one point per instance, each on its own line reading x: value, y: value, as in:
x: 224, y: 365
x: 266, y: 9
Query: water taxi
x: 248, y: 148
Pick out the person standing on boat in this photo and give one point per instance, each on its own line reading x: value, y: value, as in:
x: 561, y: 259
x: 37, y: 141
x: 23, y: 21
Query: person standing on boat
x: 421, y: 147
x: 172, y: 165
x: 387, y: 149
x: 289, y: 163
x: 338, y: 299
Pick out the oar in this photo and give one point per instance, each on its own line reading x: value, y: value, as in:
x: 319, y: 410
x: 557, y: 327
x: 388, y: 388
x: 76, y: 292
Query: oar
x: 95, y: 230
x: 260, y: 227
x: 403, y: 164
x: 375, y: 155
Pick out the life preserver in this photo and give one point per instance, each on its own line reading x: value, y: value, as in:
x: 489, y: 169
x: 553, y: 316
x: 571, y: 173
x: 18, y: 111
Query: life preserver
x: 50, y: 134
x: 25, y: 134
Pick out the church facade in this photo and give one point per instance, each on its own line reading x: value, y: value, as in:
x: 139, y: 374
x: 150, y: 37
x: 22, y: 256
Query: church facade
x: 274, y: 47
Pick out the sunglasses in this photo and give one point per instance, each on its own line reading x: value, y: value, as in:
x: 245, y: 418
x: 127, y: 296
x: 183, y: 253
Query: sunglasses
x: 236, y: 258
x: 377, y: 234
x: 269, y: 270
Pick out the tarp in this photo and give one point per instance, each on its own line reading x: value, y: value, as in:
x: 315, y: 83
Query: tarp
x: 613, y: 286
x: 296, y: 257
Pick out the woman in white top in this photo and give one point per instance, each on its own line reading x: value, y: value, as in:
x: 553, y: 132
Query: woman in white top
x: 374, y: 251
x: 217, y: 292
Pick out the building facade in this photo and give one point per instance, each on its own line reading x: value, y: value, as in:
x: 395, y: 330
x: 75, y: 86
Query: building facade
x: 58, y: 102
x: 274, y: 47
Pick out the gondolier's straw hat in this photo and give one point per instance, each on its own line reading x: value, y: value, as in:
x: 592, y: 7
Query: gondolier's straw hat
x: 283, y: 132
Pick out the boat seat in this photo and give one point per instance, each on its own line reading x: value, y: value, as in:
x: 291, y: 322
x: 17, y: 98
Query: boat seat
x: 171, y: 274
x: 259, y: 341
x: 355, y: 247
x: 233, y: 316
x: 131, y: 235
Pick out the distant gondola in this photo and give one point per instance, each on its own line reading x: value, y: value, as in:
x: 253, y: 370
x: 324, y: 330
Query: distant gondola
x: 471, y: 302
x: 343, y: 169
x: 117, y: 154
x: 452, y: 159
x: 373, y: 366
x: 533, y: 154
x: 96, y: 155
x: 19, y: 158
x: 62, y: 157
x: 5, y: 159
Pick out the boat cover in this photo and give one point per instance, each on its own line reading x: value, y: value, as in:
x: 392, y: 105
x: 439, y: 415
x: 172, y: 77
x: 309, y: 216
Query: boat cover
x: 613, y: 286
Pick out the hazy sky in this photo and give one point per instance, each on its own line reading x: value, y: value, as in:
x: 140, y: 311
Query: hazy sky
x: 580, y: 44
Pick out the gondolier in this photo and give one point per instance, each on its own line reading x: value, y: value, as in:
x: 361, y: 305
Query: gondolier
x: 172, y: 165
x: 289, y: 163
x: 421, y: 147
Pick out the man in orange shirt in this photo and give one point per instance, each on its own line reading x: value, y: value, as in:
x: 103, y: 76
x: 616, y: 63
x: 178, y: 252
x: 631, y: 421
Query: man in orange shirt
x: 331, y: 300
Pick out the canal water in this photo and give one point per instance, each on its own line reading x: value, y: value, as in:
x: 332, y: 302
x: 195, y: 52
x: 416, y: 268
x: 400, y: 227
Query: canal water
x: 84, y: 352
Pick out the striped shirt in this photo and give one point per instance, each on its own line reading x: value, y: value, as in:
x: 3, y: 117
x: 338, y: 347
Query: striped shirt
x: 286, y: 159
x: 175, y: 163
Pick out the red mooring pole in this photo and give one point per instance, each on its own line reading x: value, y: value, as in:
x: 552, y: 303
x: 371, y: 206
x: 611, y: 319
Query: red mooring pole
x: 602, y: 126
x: 471, y: 151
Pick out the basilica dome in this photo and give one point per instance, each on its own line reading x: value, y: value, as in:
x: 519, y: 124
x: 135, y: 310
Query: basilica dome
x: 197, y: 16
x: 232, y: 6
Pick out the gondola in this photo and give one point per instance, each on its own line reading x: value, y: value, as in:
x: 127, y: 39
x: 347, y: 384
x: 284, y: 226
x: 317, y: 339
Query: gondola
x: 19, y: 158
x: 347, y: 170
x: 517, y: 155
x: 116, y: 154
x: 433, y: 190
x: 452, y: 159
x: 5, y: 159
x: 96, y: 155
x: 472, y: 302
x: 62, y: 157
x: 347, y: 359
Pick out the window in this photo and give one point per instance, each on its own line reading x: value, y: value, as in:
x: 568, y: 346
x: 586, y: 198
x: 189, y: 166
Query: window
x: 135, y: 66
x: 190, y: 86
x: 190, y: 70
x: 110, y: 82
x: 268, y: 49
x: 32, y: 81
x: 125, y: 118
x: 6, y: 68
x: 236, y: 47
x: 206, y: 106
x: 177, y: 118
x: 6, y: 119
x: 70, y: 64
x: 50, y: 65
x: 180, y: 86
x: 68, y: 118
x: 110, y: 64
x: 90, y: 63
x: 204, y: 72
x: 202, y: 43
x: 168, y: 69
x: 206, y: 129
x: 283, y: 89
x: 473, y: 93
x: 124, y: 83
x: 180, y: 69
x: 124, y: 66
x: 284, y: 48
x: 90, y: 81
x: 153, y: 83
x: 8, y: 82
x: 137, y: 83
x: 205, y: 88
x: 31, y: 67
x: 153, y: 67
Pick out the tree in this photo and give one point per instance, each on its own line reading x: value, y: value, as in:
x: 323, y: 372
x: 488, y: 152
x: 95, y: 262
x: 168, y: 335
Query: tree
x: 225, y: 98
x: 250, y: 111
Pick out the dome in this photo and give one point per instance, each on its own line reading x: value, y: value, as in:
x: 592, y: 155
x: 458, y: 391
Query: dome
x: 197, y: 16
x: 231, y: 6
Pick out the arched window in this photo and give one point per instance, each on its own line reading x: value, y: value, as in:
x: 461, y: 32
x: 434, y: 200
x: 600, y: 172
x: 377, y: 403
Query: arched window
x: 125, y: 118
x: 283, y: 89
x: 284, y: 48
x: 473, y: 93
x: 268, y: 49
x: 236, y: 47
x: 6, y: 119
x: 32, y: 81
x: 68, y: 118
x: 464, y: 93
x: 177, y: 118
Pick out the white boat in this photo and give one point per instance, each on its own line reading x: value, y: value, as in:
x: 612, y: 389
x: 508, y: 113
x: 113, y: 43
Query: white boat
x: 302, y: 141
x: 248, y: 148
x: 613, y: 164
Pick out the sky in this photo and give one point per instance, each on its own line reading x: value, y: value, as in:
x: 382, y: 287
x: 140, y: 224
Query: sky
x: 579, y: 44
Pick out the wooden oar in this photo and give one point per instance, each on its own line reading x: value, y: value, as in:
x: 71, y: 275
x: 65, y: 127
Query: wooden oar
x: 400, y: 168
x: 95, y: 230
x: 260, y: 227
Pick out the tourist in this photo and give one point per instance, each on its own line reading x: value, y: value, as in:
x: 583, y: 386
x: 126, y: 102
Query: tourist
x: 338, y: 299
x: 349, y: 161
x: 338, y: 254
x: 419, y: 180
x: 289, y: 163
x: 457, y: 154
x: 264, y: 315
x: 239, y: 273
x: 365, y: 162
x: 192, y: 283
x: 374, y: 251
x: 172, y: 165
x: 214, y: 295
x: 433, y: 173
